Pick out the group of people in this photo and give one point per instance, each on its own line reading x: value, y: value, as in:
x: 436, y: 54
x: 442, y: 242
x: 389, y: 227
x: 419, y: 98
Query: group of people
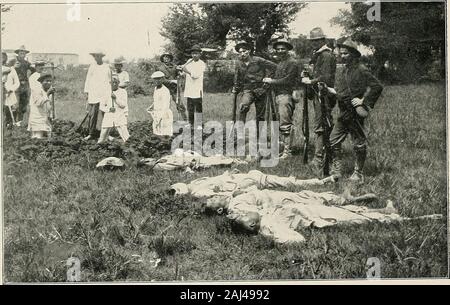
x: 107, y: 97
x: 254, y: 202
x: 353, y: 88
x: 26, y: 89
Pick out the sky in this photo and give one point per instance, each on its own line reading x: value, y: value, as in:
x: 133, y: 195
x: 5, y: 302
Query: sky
x: 118, y: 29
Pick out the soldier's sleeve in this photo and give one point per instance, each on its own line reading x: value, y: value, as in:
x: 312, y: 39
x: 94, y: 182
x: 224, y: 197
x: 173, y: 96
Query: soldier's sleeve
x: 290, y: 76
x: 267, y: 64
x: 374, y: 88
x: 31, y: 69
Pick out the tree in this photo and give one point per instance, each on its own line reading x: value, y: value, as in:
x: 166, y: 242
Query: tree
x: 251, y: 21
x: 184, y: 26
x: 408, y: 35
x: 209, y: 24
x: 4, y: 9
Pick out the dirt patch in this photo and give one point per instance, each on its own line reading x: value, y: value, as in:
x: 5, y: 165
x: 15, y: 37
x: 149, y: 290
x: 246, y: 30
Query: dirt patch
x: 67, y: 145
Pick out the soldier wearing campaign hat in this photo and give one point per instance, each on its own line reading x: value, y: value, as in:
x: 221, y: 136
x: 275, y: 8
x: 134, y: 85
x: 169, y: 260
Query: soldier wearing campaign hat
x: 357, y: 91
x: 322, y: 76
x: 24, y: 70
x: 283, y: 84
x: 249, y: 73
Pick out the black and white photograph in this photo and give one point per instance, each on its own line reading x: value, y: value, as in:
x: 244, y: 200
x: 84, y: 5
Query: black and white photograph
x: 224, y: 142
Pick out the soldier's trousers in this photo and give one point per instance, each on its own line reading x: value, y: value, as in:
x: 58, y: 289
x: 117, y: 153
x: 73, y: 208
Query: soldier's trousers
x: 318, y: 122
x: 23, y: 96
x: 353, y: 126
x: 286, y: 107
x: 245, y: 99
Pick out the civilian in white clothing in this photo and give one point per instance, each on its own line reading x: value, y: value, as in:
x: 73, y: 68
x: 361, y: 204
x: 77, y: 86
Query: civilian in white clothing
x: 115, y: 112
x: 193, y: 91
x: 10, y: 83
x: 40, y: 108
x: 160, y: 109
x: 33, y: 79
x: 124, y: 77
x: 98, y: 91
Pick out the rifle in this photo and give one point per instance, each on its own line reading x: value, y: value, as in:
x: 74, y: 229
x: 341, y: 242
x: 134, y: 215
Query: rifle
x: 305, y: 126
x: 179, y: 105
x: 234, y: 114
x: 327, y: 124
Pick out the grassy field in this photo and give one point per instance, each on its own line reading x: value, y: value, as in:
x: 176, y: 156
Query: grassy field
x: 117, y: 222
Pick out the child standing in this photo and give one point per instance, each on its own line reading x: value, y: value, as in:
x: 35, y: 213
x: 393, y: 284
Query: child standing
x: 40, y: 107
x: 160, y: 109
x: 115, y: 110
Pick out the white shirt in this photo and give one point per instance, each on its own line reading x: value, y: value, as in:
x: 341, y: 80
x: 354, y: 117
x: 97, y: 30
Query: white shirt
x: 5, y: 71
x: 161, y: 99
x: 194, y: 82
x: 118, y: 117
x: 124, y: 79
x: 40, y: 109
x: 33, y: 80
x: 98, y: 84
x: 12, y: 83
x: 161, y: 114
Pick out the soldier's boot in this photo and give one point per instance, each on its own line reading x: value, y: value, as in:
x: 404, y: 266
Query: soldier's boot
x: 287, y: 147
x: 336, y: 164
x: 357, y: 175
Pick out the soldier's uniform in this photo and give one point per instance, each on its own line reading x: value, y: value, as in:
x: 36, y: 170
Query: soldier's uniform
x: 248, y: 83
x: 24, y: 70
x: 353, y: 81
x: 283, y: 83
x: 324, y: 71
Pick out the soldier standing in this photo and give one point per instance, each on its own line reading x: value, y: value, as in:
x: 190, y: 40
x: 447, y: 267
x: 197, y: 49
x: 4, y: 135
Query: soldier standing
x: 283, y: 83
x: 248, y: 82
x: 323, y: 73
x: 24, y: 70
x: 357, y: 90
x: 248, y: 85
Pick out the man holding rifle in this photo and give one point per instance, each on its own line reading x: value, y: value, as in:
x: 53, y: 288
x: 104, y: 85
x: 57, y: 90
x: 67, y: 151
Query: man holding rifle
x: 248, y: 82
x: 283, y: 84
x: 356, y: 90
x: 323, y: 76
